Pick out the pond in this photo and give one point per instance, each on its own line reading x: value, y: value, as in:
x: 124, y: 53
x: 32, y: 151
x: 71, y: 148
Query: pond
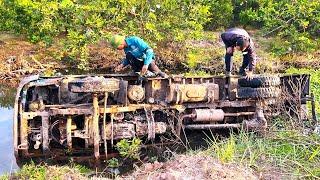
x: 7, y: 159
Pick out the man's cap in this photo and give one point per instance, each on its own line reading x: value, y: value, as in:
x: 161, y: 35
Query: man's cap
x: 116, y: 40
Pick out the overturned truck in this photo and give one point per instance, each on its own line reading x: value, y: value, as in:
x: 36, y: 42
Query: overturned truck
x: 85, y: 116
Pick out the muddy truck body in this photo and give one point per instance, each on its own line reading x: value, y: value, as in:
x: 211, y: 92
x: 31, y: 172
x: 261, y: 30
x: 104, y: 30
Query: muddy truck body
x: 85, y: 116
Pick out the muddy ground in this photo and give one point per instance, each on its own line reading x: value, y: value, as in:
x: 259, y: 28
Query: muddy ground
x: 193, y: 167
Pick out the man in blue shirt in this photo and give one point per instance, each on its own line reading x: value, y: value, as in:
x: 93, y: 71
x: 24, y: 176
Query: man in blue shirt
x: 138, y: 55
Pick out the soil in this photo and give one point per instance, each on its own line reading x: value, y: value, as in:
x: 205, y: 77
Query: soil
x: 191, y: 167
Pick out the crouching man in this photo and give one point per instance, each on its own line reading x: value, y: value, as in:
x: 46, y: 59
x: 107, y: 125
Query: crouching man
x: 138, y: 55
x: 239, y: 39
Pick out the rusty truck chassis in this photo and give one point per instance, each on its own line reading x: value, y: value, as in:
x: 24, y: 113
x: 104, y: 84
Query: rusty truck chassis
x: 87, y: 115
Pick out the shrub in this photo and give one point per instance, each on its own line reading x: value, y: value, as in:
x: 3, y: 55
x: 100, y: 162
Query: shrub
x: 86, y: 22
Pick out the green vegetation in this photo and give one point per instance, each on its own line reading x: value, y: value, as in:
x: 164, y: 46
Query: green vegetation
x: 113, y: 163
x: 296, y: 22
x: 86, y: 22
x: 75, y: 25
x: 129, y: 148
x: 283, y: 154
x: 7, y: 96
x: 44, y: 171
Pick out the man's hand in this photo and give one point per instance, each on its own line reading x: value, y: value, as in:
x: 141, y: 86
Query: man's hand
x: 118, y: 68
x: 249, y: 75
x: 144, y: 69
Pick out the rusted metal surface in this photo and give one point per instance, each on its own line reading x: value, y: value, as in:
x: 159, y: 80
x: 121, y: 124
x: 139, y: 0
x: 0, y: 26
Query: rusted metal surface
x: 136, y: 93
x: 68, y: 127
x: 74, y: 115
x: 95, y: 126
x: 17, y: 110
x: 212, y: 126
x: 31, y: 115
x: 88, y: 128
x: 142, y: 128
x: 259, y: 123
x: 24, y: 144
x: 70, y: 111
x: 45, y: 134
x: 206, y: 92
x: 208, y: 115
x: 239, y: 114
x: 120, y: 131
x: 104, y: 123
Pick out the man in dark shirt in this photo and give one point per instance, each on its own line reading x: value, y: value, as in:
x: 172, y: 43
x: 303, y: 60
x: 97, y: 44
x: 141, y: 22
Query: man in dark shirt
x: 239, y: 39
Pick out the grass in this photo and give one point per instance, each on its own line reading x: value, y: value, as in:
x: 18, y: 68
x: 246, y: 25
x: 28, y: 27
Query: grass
x: 43, y: 172
x: 289, y: 154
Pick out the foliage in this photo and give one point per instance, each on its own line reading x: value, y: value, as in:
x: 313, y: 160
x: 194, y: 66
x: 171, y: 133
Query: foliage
x: 298, y: 22
x: 32, y: 171
x: 7, y: 95
x: 129, y: 148
x: 113, y: 163
x: 86, y: 22
x: 221, y: 13
x: 81, y: 168
x: 288, y: 151
x: 43, y: 171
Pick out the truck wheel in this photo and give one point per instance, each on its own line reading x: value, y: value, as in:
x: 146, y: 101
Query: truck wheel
x: 255, y: 93
x: 259, y: 81
x: 94, y: 84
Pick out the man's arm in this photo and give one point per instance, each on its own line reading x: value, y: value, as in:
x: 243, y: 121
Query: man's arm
x: 123, y: 64
x: 251, y: 55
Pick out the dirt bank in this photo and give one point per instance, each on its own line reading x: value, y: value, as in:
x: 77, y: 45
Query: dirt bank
x: 192, y: 167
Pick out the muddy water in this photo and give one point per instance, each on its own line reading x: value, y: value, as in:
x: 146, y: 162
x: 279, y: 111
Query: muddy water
x: 7, y: 159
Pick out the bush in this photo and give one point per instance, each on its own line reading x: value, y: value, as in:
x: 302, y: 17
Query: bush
x: 221, y: 13
x: 297, y: 22
x: 85, y: 22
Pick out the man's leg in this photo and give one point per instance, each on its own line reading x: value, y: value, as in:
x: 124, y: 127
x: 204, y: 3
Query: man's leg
x: 155, y: 69
x: 134, y: 62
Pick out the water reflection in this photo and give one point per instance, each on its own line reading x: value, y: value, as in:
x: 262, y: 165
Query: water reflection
x: 7, y: 159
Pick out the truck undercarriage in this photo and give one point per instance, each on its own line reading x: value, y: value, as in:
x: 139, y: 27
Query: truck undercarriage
x: 85, y: 116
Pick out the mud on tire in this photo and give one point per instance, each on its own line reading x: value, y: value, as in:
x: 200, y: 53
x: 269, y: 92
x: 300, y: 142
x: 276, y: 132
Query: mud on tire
x: 259, y: 81
x: 256, y: 93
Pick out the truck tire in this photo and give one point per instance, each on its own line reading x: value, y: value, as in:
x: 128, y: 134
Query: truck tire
x: 94, y: 85
x: 256, y: 93
x: 259, y: 81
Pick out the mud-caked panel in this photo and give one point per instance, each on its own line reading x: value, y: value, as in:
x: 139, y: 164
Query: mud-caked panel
x: 94, y: 84
x: 206, y: 92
